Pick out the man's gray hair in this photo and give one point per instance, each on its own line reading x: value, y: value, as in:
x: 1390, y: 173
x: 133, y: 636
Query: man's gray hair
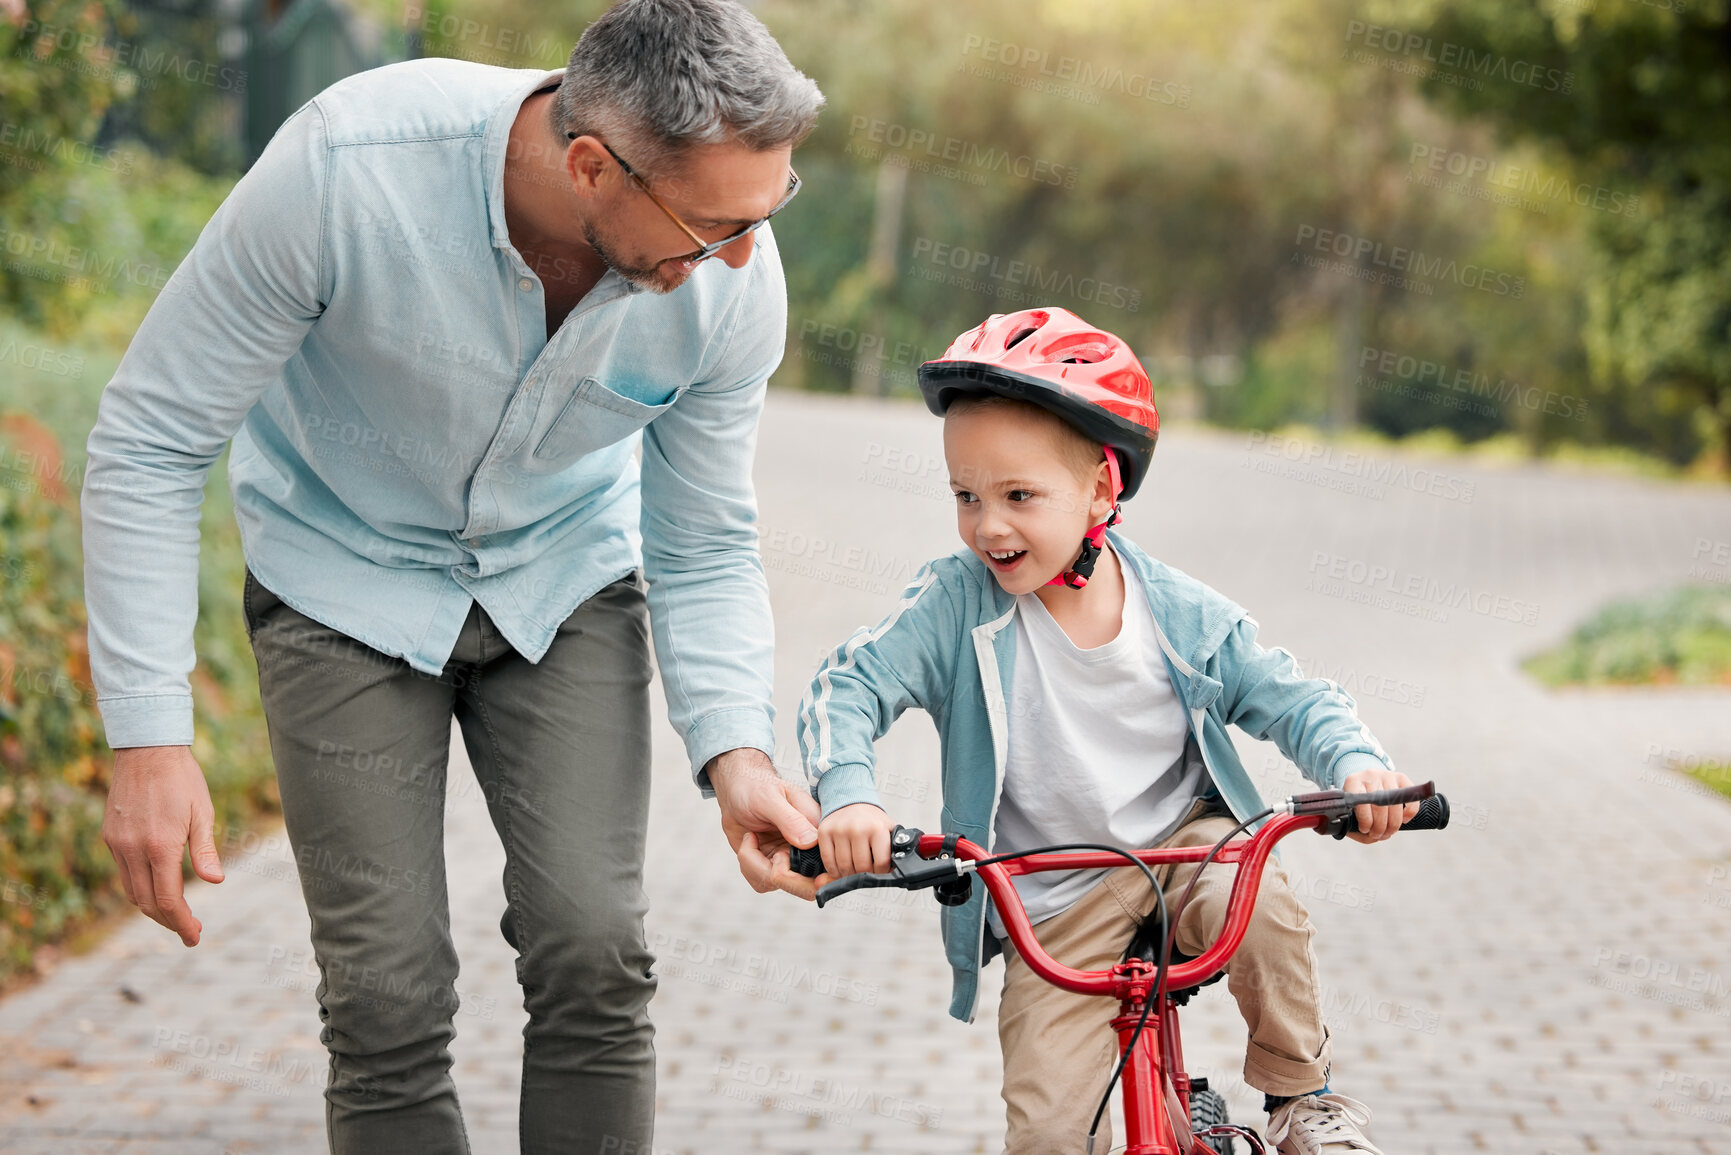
x: 654, y: 77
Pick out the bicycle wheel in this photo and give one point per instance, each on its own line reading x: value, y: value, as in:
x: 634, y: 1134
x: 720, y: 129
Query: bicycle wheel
x: 1206, y: 1109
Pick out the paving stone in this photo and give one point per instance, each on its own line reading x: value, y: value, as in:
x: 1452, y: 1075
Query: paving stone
x: 1488, y: 987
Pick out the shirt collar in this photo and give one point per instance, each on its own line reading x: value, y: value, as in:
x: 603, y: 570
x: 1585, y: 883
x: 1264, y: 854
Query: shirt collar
x: 494, y: 142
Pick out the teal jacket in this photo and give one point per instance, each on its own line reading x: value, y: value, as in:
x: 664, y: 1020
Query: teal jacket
x: 946, y: 648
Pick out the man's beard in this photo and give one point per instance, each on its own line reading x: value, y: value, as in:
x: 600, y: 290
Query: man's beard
x: 651, y: 277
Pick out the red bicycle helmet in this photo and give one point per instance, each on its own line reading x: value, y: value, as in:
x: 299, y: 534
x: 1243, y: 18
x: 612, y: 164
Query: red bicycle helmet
x: 1056, y: 360
x: 1089, y: 377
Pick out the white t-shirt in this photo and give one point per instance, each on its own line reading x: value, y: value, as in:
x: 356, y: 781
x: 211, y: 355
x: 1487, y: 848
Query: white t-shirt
x: 1097, y: 748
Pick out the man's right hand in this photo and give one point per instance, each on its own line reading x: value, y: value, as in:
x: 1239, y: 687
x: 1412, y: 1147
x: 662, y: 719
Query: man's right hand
x: 763, y: 815
x: 158, y: 805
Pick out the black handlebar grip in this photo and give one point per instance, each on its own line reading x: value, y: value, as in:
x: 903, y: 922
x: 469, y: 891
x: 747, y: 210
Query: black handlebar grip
x: 806, y: 862
x: 1433, y: 814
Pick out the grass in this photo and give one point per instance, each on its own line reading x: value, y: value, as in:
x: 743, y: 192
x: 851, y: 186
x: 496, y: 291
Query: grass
x: 1717, y: 775
x: 1680, y: 637
x: 1511, y: 449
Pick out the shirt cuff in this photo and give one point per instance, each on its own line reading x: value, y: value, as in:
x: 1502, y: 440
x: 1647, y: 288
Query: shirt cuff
x: 844, y: 785
x: 1351, y: 763
x: 724, y: 730
x: 147, y: 720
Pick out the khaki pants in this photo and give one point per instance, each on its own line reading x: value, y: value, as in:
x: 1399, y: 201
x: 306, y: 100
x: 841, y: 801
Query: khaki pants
x: 1059, y: 1048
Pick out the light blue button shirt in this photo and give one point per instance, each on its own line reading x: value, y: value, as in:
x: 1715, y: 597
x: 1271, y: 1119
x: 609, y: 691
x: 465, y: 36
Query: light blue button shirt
x: 408, y: 441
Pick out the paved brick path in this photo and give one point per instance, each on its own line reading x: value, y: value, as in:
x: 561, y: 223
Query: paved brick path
x: 1551, y: 975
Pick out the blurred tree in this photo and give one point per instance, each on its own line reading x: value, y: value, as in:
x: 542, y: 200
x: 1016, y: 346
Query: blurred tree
x: 185, y: 81
x: 1650, y: 107
x: 51, y: 101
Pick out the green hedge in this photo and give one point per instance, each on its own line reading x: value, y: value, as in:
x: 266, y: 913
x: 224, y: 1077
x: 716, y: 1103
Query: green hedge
x: 56, y: 873
x: 1679, y: 637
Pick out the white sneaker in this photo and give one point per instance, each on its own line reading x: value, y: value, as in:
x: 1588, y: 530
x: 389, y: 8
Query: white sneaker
x: 1328, y: 1124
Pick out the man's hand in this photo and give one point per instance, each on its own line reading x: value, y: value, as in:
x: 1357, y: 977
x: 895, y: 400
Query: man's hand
x: 855, y: 840
x: 1379, y: 822
x: 762, y: 815
x: 158, y: 805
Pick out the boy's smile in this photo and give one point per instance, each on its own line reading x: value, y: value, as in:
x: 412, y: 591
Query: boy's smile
x: 1020, y: 505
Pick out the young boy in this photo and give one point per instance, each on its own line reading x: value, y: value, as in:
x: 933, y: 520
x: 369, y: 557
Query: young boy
x: 1082, y: 693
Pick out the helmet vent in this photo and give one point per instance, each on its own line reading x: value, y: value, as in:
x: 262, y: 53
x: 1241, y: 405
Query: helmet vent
x: 1019, y: 336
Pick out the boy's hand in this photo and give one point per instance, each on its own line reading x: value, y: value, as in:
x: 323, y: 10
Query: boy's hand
x: 1378, y: 822
x: 855, y: 840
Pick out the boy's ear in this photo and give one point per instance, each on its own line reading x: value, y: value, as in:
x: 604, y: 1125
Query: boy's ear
x: 1103, y: 499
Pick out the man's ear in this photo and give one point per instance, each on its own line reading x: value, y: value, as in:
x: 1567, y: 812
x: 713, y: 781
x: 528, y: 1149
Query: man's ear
x: 586, y: 163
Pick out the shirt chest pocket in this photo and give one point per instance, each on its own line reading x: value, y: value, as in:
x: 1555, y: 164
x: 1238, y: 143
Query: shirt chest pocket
x: 592, y: 418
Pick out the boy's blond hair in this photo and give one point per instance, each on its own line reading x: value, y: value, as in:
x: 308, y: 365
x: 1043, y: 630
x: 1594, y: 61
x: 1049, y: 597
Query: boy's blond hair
x: 1080, y: 453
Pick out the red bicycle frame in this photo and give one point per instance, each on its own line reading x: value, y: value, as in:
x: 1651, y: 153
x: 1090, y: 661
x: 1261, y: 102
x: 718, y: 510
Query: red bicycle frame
x: 1158, y: 1052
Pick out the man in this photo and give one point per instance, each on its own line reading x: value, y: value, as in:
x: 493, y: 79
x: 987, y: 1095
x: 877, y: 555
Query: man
x: 437, y: 318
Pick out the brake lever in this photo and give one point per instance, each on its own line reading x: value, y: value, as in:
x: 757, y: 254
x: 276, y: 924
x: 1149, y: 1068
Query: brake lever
x: 951, y: 877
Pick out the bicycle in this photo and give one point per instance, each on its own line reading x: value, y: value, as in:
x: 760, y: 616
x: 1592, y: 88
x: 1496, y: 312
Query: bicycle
x: 1165, y: 1111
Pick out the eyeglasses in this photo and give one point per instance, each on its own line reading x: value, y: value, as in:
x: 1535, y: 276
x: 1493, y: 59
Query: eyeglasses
x: 705, y: 249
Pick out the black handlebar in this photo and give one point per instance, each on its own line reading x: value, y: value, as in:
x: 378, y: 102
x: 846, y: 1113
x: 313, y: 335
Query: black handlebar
x: 806, y: 862
x: 1341, y: 807
x: 1433, y: 814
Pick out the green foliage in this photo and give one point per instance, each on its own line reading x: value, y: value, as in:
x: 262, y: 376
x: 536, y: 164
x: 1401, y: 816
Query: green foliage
x: 185, y: 95
x: 1189, y: 206
x: 1682, y: 637
x: 55, y: 871
x: 47, y: 89
x: 1715, y: 774
x: 1646, y: 111
x: 53, y: 764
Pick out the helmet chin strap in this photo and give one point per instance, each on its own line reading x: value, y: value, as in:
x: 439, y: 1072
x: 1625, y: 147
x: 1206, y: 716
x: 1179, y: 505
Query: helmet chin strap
x: 1083, y: 567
